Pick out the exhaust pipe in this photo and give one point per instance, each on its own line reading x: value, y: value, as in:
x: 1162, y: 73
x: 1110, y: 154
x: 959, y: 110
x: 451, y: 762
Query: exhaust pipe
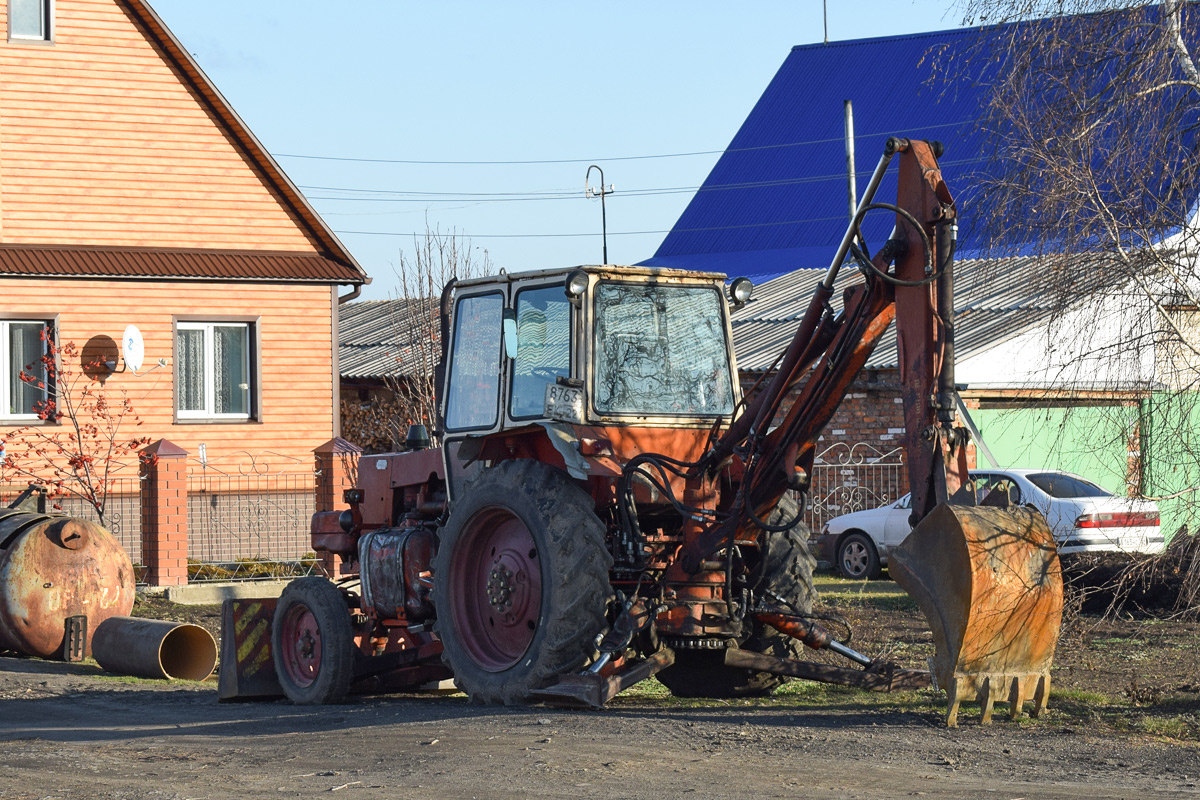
x: 151, y: 648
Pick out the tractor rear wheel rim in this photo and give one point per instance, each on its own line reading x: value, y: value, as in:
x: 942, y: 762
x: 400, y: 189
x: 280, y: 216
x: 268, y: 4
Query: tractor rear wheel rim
x: 302, y: 646
x: 497, y: 589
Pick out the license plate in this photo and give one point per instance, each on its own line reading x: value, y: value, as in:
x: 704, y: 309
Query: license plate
x: 564, y: 403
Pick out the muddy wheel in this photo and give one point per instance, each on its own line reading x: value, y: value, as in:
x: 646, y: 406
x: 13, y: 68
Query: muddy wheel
x: 857, y: 557
x: 520, y: 581
x: 312, y: 642
x: 787, y: 573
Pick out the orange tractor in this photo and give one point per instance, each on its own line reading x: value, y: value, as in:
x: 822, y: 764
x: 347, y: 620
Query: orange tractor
x: 606, y: 506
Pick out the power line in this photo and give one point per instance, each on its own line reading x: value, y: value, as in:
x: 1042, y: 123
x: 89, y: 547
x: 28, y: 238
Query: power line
x: 611, y: 233
x: 594, y: 159
x: 508, y: 197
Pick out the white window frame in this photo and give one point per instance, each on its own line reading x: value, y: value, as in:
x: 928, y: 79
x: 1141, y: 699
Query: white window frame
x: 47, y: 34
x: 209, y: 378
x: 6, y: 371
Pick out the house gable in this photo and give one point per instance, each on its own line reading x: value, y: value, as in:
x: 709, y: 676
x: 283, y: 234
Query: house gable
x: 112, y: 137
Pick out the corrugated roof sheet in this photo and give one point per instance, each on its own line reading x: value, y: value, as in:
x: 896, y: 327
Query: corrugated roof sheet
x: 153, y: 263
x: 995, y: 300
x: 376, y: 342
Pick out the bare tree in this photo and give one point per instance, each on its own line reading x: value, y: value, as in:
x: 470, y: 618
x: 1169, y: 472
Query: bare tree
x: 1091, y: 114
x: 83, y: 437
x: 415, y: 341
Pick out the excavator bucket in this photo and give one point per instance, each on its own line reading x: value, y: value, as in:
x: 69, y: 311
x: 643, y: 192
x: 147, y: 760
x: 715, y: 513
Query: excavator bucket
x: 989, y: 582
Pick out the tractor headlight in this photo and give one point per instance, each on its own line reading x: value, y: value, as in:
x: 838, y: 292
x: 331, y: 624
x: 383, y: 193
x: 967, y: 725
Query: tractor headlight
x: 576, y: 284
x: 740, y: 290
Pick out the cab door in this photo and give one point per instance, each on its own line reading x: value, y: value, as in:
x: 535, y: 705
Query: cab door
x: 471, y: 403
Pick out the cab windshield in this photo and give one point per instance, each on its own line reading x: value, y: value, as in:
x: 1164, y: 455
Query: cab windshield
x: 661, y: 350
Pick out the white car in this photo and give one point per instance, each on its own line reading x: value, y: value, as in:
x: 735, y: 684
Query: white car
x: 1082, y: 516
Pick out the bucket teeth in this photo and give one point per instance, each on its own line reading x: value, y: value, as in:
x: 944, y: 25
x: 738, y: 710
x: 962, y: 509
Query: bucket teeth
x: 989, y: 583
x: 992, y: 688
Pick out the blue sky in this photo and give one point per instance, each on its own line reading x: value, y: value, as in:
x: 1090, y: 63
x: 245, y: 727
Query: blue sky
x: 573, y: 83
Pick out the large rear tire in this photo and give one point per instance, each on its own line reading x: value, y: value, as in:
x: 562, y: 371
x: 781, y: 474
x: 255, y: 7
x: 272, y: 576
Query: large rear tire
x: 786, y: 572
x: 520, y: 581
x: 312, y: 642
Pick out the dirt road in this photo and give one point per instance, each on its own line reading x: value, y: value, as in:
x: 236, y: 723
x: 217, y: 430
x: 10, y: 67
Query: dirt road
x: 68, y: 731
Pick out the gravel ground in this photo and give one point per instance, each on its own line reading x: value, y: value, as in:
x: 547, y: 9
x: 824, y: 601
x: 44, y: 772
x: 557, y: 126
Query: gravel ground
x: 1123, y: 724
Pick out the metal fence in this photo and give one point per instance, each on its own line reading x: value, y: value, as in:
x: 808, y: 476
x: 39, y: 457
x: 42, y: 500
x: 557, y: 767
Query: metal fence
x: 122, y: 510
x: 242, y: 527
x: 850, y: 478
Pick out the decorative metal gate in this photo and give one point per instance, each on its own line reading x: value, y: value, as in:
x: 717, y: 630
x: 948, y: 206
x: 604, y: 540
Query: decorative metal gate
x: 850, y: 478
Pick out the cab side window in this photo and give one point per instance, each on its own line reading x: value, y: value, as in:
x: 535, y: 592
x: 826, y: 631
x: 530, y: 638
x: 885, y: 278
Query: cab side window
x: 473, y: 394
x: 543, y: 348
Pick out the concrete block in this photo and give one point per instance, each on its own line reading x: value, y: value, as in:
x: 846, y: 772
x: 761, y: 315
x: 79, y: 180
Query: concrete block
x: 201, y: 594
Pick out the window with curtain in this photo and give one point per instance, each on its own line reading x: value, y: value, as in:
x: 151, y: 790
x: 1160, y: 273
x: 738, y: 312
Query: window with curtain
x: 24, y: 345
x: 213, y: 378
x: 30, y: 19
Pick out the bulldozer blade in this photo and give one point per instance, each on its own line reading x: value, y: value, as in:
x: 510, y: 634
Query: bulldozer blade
x: 247, y: 668
x: 591, y: 690
x: 989, y: 582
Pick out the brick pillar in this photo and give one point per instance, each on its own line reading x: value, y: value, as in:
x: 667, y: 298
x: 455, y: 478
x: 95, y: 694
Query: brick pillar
x: 336, y: 464
x: 163, y: 470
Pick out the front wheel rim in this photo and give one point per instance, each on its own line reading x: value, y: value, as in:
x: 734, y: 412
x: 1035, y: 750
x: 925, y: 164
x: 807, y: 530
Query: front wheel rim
x: 496, y: 589
x: 301, y: 641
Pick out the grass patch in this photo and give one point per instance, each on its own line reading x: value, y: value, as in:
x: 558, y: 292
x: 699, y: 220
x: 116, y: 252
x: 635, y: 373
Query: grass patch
x: 114, y: 678
x: 1176, y: 727
x: 1078, y: 697
x: 795, y: 694
x: 884, y: 595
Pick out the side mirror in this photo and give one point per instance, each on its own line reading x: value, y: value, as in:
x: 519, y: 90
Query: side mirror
x: 510, y: 333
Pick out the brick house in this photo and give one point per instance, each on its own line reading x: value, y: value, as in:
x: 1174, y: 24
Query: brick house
x: 132, y: 194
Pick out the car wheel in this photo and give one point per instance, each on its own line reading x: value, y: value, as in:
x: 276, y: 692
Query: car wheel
x: 857, y: 557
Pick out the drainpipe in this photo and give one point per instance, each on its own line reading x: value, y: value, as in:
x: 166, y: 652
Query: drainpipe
x: 337, y: 370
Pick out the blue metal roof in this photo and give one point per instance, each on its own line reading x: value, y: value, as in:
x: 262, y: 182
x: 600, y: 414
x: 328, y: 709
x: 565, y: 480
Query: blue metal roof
x: 776, y: 200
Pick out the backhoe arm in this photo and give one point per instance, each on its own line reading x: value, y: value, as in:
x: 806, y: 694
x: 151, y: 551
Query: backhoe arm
x: 987, y: 579
x: 917, y: 294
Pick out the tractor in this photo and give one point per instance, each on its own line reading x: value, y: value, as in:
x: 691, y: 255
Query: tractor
x: 605, y: 504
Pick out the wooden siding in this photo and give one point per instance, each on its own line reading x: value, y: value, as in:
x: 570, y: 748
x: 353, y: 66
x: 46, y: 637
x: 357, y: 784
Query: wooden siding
x: 296, y: 336
x: 102, y: 142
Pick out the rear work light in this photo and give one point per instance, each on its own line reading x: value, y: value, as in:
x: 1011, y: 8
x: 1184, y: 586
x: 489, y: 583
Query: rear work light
x: 1138, y: 519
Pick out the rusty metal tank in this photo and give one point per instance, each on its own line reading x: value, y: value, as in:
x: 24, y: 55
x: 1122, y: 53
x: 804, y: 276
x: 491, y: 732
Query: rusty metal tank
x: 53, y: 568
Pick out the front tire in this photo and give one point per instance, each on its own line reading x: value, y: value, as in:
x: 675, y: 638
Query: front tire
x: 520, y: 582
x: 857, y: 558
x: 312, y: 642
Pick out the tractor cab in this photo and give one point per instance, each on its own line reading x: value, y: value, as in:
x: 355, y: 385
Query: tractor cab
x: 591, y: 346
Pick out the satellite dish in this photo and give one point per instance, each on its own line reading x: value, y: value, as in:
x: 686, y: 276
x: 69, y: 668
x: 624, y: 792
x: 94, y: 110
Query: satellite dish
x: 133, y: 348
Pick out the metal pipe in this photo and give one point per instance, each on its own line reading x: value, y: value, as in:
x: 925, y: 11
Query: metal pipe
x: 945, y: 237
x: 153, y: 648
x: 848, y: 107
x: 890, y: 149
